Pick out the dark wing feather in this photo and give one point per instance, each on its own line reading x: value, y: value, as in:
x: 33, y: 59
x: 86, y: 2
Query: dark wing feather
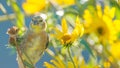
x: 47, y: 41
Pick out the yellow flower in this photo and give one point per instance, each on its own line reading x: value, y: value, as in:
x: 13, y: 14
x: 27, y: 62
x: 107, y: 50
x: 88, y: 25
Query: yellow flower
x: 64, y: 36
x: 33, y: 6
x: 115, y: 50
x: 117, y: 25
x: 106, y: 64
x: 65, y: 2
x: 59, y: 63
x: 101, y: 23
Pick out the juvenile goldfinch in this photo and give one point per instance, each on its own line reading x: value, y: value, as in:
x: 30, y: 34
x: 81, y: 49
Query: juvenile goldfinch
x: 35, y: 41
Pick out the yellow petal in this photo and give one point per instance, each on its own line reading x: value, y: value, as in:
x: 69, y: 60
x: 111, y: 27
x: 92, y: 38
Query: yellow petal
x: 116, y: 24
x: 70, y: 65
x: 115, y: 50
x: 75, y: 34
x: 65, y: 2
x: 60, y: 2
x: 58, y: 34
x: 88, y: 18
x: 99, y: 11
x: 106, y: 10
x: 79, y: 30
x: 69, y: 2
x: 107, y: 19
x: 56, y: 64
x: 82, y: 65
x: 77, y: 21
x: 47, y: 65
x: 106, y: 64
x: 109, y: 12
x: 112, y: 12
x: 36, y: 1
x: 57, y: 31
x: 32, y: 7
x: 59, y: 60
x: 76, y: 61
x: 64, y: 26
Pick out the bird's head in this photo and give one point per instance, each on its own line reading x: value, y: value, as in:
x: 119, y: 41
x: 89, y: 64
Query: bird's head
x: 38, y: 23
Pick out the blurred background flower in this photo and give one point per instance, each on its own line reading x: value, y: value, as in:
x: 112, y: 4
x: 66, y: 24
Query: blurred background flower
x: 65, y: 2
x: 33, y: 6
x: 101, y: 23
x: 59, y: 62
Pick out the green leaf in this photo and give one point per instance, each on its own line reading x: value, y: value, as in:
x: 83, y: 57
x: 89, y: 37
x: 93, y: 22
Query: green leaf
x: 71, y: 10
x: 117, y: 13
x: 118, y: 35
x: 87, y: 47
x: 28, y: 64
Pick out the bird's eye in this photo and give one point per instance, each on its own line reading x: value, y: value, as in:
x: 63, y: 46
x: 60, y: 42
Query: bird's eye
x: 35, y: 22
x: 41, y: 20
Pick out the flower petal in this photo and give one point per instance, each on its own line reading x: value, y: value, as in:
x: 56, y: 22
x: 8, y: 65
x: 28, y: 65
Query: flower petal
x: 70, y: 65
x: 99, y: 11
x: 48, y: 65
x: 77, y: 21
x: 64, y: 26
x: 55, y: 63
x: 79, y: 30
x: 88, y: 18
x: 58, y: 34
x: 112, y: 12
x: 33, y: 6
x: 64, y: 3
x: 60, y: 61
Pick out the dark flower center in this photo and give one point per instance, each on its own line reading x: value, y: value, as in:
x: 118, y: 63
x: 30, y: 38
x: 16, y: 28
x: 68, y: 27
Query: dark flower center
x: 100, y: 31
x: 66, y: 37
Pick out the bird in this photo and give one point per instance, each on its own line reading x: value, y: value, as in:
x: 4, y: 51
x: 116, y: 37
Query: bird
x: 34, y: 42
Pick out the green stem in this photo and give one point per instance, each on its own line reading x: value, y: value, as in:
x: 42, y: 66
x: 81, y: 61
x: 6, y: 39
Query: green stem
x: 71, y: 57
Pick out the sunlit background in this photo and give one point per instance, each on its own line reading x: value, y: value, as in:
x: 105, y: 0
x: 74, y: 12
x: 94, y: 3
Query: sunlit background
x: 82, y: 33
